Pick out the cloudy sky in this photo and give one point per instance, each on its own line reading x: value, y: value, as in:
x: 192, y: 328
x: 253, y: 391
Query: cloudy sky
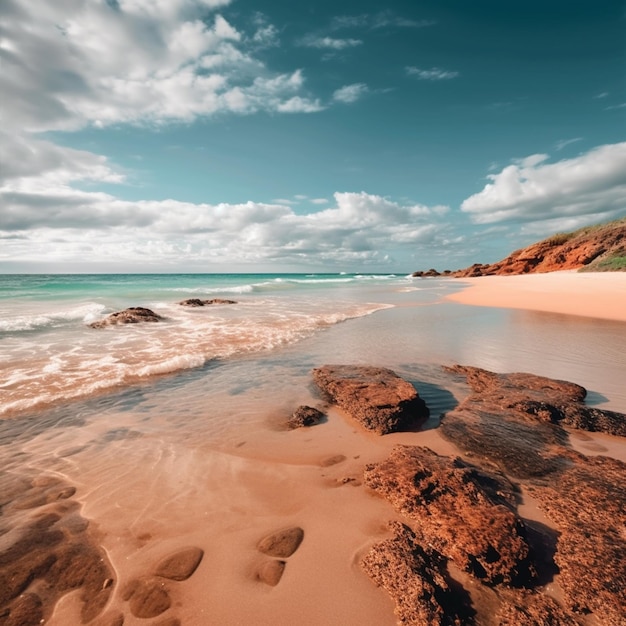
x: 272, y: 135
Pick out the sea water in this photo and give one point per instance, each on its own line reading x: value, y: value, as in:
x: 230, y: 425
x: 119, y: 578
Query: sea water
x: 50, y: 354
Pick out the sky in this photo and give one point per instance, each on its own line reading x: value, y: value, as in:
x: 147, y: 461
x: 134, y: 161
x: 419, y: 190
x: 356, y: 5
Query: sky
x: 272, y: 135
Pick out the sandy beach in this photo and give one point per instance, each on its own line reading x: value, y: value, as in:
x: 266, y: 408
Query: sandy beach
x: 167, y: 491
x: 590, y: 294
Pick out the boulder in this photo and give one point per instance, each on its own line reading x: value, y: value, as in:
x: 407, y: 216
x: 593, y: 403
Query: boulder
x: 465, y: 513
x: 376, y: 397
x: 305, y: 416
x: 132, y: 315
x: 416, y: 578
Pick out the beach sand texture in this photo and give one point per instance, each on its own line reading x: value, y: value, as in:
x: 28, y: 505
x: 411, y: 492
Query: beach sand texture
x: 595, y: 294
x: 171, y: 511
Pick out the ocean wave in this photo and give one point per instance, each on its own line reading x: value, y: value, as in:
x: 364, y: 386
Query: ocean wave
x: 20, y: 323
x: 73, y: 364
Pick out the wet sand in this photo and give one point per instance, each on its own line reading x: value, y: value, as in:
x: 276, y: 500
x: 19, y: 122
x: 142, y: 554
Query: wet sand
x: 589, y: 294
x: 209, y: 466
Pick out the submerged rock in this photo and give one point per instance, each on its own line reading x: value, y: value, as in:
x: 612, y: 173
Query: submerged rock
x: 132, y: 315
x: 194, y: 302
x: 515, y: 420
x: 376, y: 397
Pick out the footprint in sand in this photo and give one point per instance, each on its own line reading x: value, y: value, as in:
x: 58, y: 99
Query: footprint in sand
x: 281, y: 544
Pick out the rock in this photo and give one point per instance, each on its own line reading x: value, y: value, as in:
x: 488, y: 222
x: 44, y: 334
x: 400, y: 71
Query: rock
x: 525, y: 411
x: 180, y: 565
x: 523, y: 608
x: 417, y: 581
x: 271, y: 572
x: 462, y: 511
x: 147, y: 597
x: 132, y: 315
x: 305, y: 416
x: 195, y: 302
x: 587, y: 503
x: 376, y: 397
x: 283, y: 543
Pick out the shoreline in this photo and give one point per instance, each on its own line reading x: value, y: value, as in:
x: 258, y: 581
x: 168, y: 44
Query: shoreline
x: 600, y: 295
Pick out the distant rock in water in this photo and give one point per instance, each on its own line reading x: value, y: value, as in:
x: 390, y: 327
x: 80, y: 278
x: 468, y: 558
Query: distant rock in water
x: 194, y: 302
x: 132, y: 315
x: 376, y: 397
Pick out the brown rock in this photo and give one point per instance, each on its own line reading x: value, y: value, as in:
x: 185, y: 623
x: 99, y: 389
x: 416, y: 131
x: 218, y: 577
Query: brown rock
x: 180, y: 565
x: 463, y: 512
x: 305, y: 416
x: 587, y: 503
x: 515, y: 420
x: 282, y: 543
x: 132, y: 315
x: 195, y: 302
x: 271, y: 572
x: 376, y: 397
x: 524, y: 608
x: 147, y: 597
x: 416, y: 579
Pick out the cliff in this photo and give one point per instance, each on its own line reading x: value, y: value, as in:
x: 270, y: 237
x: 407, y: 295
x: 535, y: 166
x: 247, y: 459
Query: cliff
x: 597, y: 248
x: 593, y: 248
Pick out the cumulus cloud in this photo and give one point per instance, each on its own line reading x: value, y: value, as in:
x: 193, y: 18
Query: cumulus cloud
x: 69, y: 63
x: 43, y: 214
x: 592, y: 185
x: 350, y: 93
x: 433, y: 73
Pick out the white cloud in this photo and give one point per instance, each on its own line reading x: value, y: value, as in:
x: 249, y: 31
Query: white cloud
x: 70, y: 63
x: 43, y: 215
x: 350, y: 93
x: 433, y: 73
x: 330, y: 43
x: 562, y: 143
x: 592, y: 185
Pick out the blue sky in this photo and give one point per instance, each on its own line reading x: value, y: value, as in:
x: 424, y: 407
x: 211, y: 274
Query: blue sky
x: 260, y: 135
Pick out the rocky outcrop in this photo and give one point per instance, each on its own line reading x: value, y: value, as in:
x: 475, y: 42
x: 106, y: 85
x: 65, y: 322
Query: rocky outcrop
x: 465, y: 513
x: 587, y: 504
x: 132, y: 315
x: 599, y: 248
x: 417, y: 580
x: 376, y: 397
x: 195, y: 302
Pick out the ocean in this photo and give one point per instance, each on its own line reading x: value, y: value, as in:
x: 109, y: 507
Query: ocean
x: 172, y: 433
x: 50, y: 354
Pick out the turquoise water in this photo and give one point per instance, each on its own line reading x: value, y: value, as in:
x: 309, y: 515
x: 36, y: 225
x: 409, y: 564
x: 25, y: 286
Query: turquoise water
x: 50, y: 355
